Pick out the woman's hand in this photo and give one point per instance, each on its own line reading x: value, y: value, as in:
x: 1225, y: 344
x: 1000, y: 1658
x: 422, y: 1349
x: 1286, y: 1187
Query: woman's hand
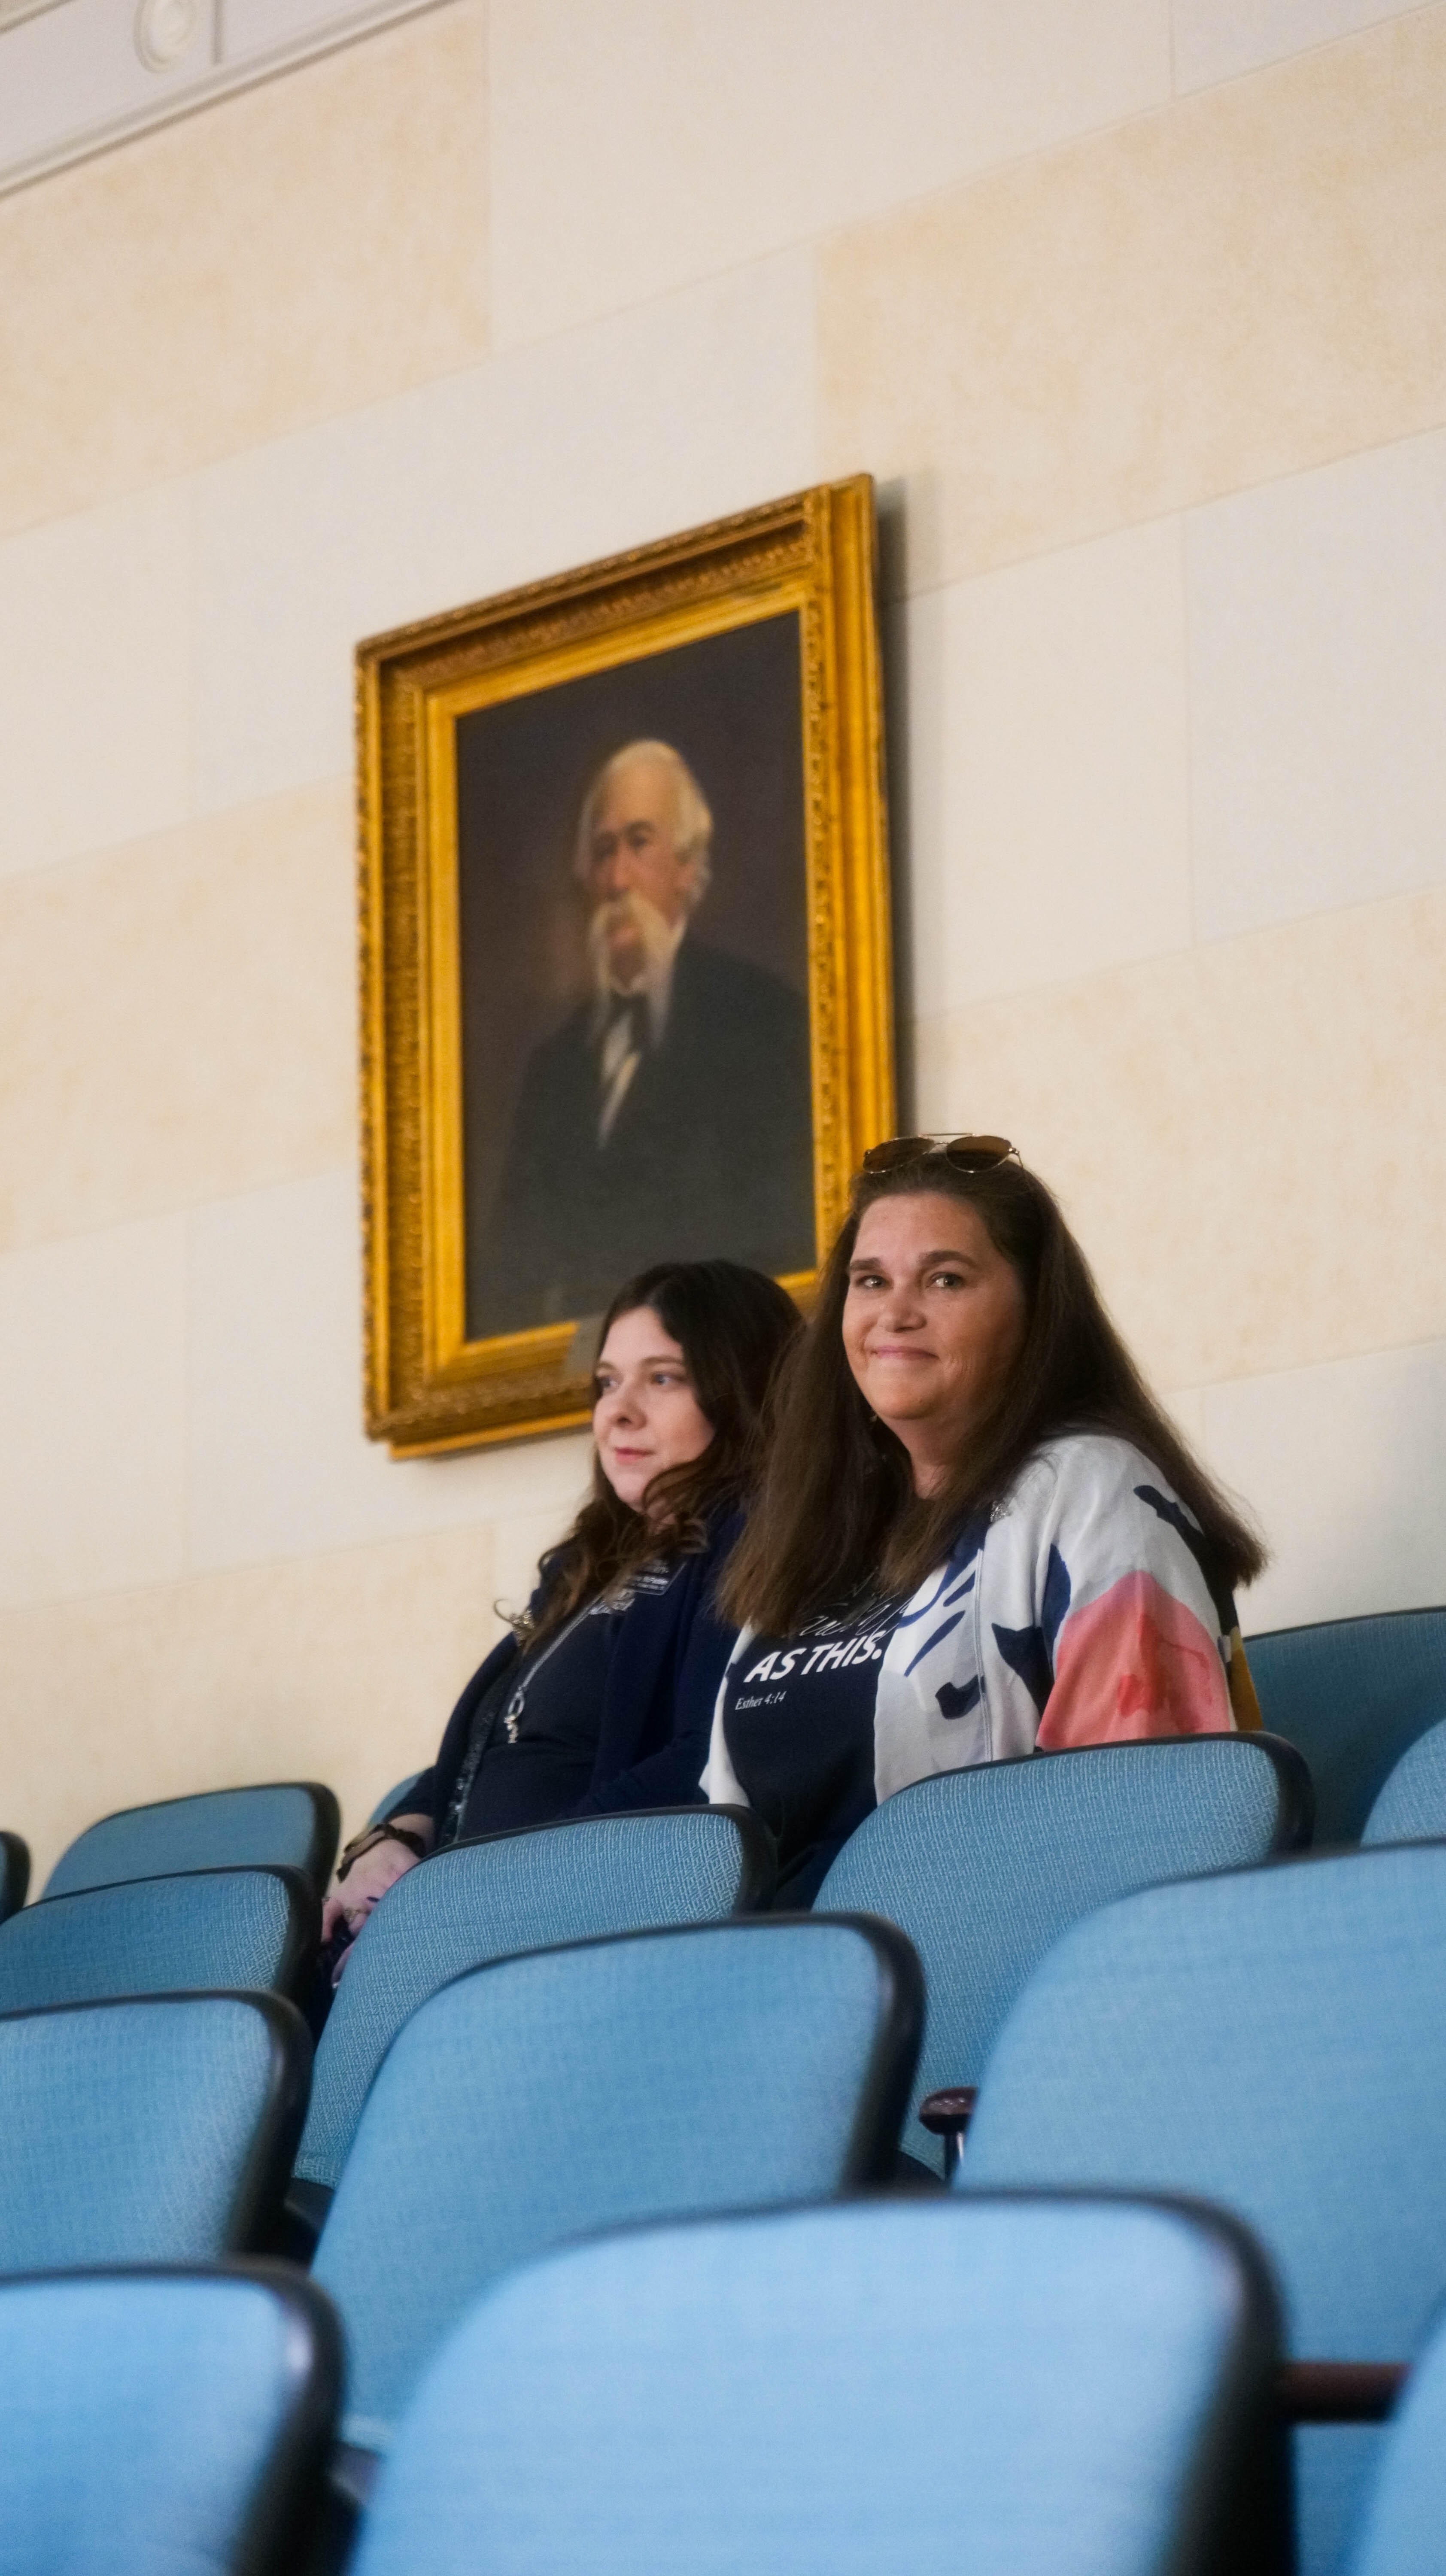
x: 369, y: 1877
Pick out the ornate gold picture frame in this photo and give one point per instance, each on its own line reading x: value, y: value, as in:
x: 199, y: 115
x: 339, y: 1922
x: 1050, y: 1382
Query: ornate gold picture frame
x: 625, y: 951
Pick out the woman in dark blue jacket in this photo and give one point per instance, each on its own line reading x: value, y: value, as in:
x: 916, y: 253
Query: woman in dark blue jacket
x: 602, y: 1697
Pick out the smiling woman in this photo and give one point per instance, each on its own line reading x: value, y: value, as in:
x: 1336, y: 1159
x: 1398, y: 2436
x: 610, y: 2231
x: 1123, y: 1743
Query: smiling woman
x: 978, y: 1535
x: 933, y: 1324
x: 600, y: 1696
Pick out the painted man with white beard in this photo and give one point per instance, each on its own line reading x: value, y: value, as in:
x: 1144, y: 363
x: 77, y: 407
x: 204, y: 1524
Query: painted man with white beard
x: 669, y: 1117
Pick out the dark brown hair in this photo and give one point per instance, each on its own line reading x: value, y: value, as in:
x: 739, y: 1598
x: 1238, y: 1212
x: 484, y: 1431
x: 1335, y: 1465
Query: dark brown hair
x: 836, y: 1513
x: 733, y: 1326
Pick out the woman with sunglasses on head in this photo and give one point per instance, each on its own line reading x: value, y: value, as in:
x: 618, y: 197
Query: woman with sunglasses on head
x: 600, y: 1697
x: 977, y: 1535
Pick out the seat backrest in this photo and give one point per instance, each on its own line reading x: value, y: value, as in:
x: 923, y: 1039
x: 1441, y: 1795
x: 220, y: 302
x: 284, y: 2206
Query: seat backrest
x: 14, y: 1874
x: 1406, y: 2512
x: 1411, y: 1807
x: 1352, y: 1693
x: 985, y: 1868
x: 163, y: 2420
x: 1055, y: 2388
x: 506, y: 1893
x: 391, y: 1804
x: 1274, y: 2041
x: 155, y: 2131
x: 289, y: 1823
x: 641, y: 2077
x: 155, y: 1936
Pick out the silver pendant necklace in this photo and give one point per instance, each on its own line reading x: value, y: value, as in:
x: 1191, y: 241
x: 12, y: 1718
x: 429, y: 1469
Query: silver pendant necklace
x: 515, y: 1710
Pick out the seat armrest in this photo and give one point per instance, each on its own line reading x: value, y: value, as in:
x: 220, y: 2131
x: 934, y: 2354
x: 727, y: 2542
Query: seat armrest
x: 1338, y: 2392
x: 301, y: 2220
x: 947, y: 2114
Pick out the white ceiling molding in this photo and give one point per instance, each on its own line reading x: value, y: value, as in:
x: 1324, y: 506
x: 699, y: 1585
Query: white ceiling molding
x: 12, y: 11
x: 77, y: 76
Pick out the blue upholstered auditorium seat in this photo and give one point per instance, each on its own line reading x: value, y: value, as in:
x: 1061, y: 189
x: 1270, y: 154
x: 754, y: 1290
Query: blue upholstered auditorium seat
x: 157, y: 2131
x: 1050, y: 2388
x: 162, y: 2423
x: 393, y: 1802
x: 640, y: 2077
x: 14, y: 1874
x: 154, y: 1936
x: 506, y: 1893
x: 1405, y: 2517
x: 290, y: 1824
x: 1411, y: 1807
x: 1352, y: 1693
x: 985, y: 1868
x: 1274, y: 2041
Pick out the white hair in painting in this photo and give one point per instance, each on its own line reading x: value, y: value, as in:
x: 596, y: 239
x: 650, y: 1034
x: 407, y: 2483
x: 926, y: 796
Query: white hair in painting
x: 693, y: 824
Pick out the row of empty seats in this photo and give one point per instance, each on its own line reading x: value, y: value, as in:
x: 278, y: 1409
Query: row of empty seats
x: 983, y: 1869
x: 1022, y: 2385
x: 1269, y: 2039
x: 496, y: 2077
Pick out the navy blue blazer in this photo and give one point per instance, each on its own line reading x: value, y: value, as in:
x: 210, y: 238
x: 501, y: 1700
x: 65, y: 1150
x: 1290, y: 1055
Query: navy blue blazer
x: 657, y: 1712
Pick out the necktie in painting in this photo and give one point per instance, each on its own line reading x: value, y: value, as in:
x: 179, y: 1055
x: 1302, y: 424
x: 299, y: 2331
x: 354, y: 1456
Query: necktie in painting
x: 624, y: 1045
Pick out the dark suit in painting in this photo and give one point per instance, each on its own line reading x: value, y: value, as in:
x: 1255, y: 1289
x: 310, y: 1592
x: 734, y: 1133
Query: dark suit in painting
x: 710, y: 1153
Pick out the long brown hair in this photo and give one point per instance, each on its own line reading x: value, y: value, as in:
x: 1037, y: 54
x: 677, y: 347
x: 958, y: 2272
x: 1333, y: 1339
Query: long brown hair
x: 733, y: 1326
x: 836, y: 1512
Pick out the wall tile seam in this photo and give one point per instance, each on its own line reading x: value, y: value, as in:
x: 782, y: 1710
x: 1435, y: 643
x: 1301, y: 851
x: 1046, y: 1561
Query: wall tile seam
x: 1163, y: 109
x: 17, y: 1247
x: 1184, y: 511
x: 335, y: 48
x: 188, y: 496
x: 1192, y: 884
x: 225, y: 81
x: 194, y: 1578
x: 909, y: 1026
x: 1293, y: 54
x: 827, y: 236
x: 496, y: 357
x: 1205, y: 1386
x: 1278, y: 927
x: 903, y: 594
x: 195, y: 1572
x: 789, y: 248
x: 892, y: 594
x: 187, y: 1464
x: 207, y: 467
x: 219, y: 460
x: 96, y: 853
x: 18, y: 531
x: 830, y: 234
x: 1346, y: 1355
x: 158, y: 836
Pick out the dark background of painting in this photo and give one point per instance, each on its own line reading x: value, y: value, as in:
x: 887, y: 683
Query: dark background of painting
x: 731, y: 704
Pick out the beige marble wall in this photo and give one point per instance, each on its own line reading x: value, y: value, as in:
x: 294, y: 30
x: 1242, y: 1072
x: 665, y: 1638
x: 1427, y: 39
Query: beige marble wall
x: 1224, y: 290
x: 286, y: 255
x: 1137, y: 315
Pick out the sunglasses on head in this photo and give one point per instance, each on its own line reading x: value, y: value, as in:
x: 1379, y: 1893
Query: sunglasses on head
x: 966, y: 1153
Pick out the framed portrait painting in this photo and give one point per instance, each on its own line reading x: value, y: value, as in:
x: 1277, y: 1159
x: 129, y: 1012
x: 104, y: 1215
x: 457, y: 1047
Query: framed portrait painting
x: 626, y: 984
